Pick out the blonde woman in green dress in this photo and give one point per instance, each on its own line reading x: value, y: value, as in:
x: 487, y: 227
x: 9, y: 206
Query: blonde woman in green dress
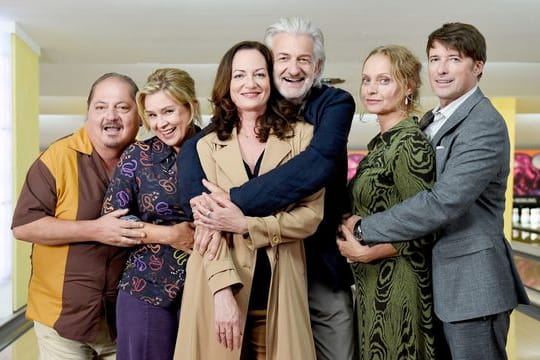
x: 392, y: 281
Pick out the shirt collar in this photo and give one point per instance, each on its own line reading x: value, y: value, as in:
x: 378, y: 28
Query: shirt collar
x: 449, y: 109
x: 161, y: 152
x: 80, y: 141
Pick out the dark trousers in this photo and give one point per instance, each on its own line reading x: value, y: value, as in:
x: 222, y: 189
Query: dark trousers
x: 332, y: 321
x: 145, y: 331
x: 477, y: 339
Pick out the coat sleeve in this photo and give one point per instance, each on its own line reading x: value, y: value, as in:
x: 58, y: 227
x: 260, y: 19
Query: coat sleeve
x: 307, y: 172
x: 190, y: 172
x: 298, y: 222
x: 220, y: 272
x: 479, y: 152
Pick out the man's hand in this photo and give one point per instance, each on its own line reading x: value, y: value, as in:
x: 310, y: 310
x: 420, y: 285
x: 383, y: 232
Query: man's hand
x: 182, y: 236
x: 227, y: 320
x: 350, y: 221
x: 199, y: 203
x: 221, y: 214
x: 350, y: 248
x: 216, y: 191
x: 111, y: 230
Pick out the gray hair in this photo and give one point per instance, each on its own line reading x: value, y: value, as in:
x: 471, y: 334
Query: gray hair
x: 297, y: 25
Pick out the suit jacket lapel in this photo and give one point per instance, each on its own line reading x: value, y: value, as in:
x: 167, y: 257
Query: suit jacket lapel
x: 458, y: 116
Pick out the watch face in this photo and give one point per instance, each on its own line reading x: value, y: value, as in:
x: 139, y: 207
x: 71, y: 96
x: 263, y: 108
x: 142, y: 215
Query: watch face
x: 357, y: 232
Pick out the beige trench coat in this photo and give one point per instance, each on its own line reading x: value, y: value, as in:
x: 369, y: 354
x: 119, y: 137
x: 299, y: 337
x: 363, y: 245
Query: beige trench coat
x: 289, y: 333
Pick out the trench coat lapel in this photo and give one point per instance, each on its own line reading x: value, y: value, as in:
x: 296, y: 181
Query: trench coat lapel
x: 229, y: 159
x: 274, y: 154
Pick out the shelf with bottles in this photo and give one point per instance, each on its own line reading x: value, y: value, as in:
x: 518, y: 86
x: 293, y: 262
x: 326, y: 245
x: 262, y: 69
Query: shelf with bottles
x: 527, y: 229
x: 527, y: 221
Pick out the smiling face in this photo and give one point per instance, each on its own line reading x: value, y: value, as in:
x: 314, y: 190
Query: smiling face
x: 250, y: 83
x: 380, y: 92
x: 451, y: 74
x: 113, y: 121
x: 295, y: 67
x: 168, y: 119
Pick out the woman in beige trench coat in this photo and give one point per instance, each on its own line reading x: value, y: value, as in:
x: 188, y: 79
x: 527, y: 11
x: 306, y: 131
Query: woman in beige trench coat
x: 216, y: 302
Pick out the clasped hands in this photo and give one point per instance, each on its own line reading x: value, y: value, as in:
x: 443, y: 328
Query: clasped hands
x: 351, y: 248
x: 214, y: 213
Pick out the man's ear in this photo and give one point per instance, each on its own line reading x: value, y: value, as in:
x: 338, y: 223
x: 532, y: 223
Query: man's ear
x: 318, y: 67
x: 478, y: 67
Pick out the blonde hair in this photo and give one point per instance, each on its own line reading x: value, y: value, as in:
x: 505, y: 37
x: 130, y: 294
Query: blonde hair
x: 405, y: 69
x: 178, y: 85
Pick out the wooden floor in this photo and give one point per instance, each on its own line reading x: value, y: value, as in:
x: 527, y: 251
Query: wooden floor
x: 523, y: 341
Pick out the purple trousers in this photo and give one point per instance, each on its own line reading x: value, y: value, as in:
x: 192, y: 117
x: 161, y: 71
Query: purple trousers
x: 145, y: 331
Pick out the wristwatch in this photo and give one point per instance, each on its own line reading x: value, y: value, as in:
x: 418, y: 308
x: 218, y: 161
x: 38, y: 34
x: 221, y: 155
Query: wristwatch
x: 357, y: 232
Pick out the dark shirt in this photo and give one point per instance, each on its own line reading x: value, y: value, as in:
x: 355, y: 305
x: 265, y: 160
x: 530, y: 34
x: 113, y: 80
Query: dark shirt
x: 145, y: 182
x: 258, y: 299
x: 322, y: 164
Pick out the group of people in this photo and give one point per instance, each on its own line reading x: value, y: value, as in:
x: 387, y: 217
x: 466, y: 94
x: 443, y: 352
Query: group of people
x: 243, y: 240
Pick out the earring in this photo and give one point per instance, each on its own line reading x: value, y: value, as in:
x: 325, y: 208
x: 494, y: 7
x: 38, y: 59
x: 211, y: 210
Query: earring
x: 407, y: 99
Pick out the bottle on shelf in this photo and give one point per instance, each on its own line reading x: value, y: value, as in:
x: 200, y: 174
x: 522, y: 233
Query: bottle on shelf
x: 525, y: 218
x: 515, y: 216
x: 535, y: 218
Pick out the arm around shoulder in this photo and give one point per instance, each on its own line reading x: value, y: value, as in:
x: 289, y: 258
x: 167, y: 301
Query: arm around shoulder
x: 331, y: 114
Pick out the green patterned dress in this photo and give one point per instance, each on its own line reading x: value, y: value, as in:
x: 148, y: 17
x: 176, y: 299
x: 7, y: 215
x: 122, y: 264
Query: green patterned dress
x: 393, y: 296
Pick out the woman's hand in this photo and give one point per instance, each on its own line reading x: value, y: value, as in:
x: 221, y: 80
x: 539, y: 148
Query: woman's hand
x: 350, y: 248
x: 207, y: 242
x: 220, y: 214
x: 228, y: 322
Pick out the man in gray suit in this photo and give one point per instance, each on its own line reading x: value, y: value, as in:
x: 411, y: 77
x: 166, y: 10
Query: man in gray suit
x: 475, y: 282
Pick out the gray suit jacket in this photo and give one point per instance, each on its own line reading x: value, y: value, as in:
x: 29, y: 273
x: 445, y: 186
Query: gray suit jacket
x: 473, y: 271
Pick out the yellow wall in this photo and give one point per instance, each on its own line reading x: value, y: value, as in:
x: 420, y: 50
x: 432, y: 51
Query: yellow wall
x: 25, y: 63
x: 507, y: 108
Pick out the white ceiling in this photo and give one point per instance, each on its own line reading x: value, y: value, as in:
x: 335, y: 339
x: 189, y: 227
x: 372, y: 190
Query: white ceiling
x: 81, y: 40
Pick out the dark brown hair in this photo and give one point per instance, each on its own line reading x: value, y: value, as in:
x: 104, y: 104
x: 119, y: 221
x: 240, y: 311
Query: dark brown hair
x: 279, y: 115
x: 464, y: 38
x: 125, y: 78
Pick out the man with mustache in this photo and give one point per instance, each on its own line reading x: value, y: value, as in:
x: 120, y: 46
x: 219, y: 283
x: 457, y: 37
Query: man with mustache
x: 78, y: 256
